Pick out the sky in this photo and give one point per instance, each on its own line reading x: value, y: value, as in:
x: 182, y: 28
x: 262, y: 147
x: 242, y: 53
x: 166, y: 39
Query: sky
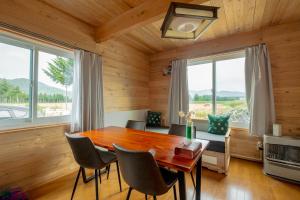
x: 15, y: 63
x: 230, y: 75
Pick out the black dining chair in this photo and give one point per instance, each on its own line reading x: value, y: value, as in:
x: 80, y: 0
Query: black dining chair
x: 89, y: 156
x: 137, y: 125
x: 179, y: 130
x: 141, y: 172
x: 133, y: 124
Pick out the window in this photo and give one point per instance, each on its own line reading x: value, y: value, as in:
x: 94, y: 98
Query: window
x: 200, y: 89
x: 217, y: 86
x: 55, y: 76
x: 35, y: 82
x: 14, y: 80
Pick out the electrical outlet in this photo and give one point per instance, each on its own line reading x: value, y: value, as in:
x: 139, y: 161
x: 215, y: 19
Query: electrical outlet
x: 259, y: 146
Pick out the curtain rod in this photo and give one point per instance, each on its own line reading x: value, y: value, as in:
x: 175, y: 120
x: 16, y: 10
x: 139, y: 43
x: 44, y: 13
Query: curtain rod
x: 221, y: 52
x: 39, y: 36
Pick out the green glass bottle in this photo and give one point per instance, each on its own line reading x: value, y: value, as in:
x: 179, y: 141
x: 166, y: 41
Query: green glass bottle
x: 189, y: 130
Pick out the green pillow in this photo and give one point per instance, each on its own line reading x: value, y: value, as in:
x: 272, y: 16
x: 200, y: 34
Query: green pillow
x: 153, y: 119
x: 218, y: 124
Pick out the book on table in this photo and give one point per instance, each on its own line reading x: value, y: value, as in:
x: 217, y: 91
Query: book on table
x: 188, y: 149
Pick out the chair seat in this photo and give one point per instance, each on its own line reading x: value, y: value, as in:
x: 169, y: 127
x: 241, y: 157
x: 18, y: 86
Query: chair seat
x: 107, y: 156
x: 169, y: 177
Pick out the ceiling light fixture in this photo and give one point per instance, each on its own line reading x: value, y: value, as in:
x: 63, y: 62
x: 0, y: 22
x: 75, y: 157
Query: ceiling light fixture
x: 187, y: 21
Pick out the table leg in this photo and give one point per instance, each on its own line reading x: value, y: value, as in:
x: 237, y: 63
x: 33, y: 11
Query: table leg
x: 198, y: 179
x: 182, y: 188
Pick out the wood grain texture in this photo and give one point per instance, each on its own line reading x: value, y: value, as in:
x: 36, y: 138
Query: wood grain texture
x: 125, y: 68
x: 245, y: 181
x: 244, y: 146
x: 145, y: 13
x: 138, y: 22
x: 31, y: 157
x: 94, y: 12
x: 283, y: 42
x: 40, y: 18
x: 162, y: 144
x: 235, y: 16
x: 126, y: 77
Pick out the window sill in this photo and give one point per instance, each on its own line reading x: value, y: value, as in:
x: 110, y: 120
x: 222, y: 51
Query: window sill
x: 32, y: 127
x: 26, y: 124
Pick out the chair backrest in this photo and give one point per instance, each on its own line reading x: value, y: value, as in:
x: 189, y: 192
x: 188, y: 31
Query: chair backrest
x: 137, y: 125
x: 140, y: 171
x: 179, y: 130
x: 84, y: 152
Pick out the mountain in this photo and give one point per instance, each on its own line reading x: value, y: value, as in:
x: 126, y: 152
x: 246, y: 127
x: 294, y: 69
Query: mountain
x: 24, y: 83
x: 219, y: 93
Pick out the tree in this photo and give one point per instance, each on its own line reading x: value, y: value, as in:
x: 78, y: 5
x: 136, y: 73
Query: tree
x: 10, y: 93
x: 196, y: 97
x: 60, y: 70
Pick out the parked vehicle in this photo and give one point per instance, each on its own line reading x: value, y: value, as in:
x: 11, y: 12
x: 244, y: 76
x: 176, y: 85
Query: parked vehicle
x: 13, y: 112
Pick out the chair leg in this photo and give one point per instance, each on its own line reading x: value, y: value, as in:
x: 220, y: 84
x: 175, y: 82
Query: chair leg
x: 96, y: 183
x: 86, y: 179
x: 146, y: 197
x: 107, y: 171
x: 76, y: 182
x: 193, y: 179
x: 174, y: 191
x: 119, y: 177
x: 129, y: 193
x: 154, y: 197
x: 99, y: 175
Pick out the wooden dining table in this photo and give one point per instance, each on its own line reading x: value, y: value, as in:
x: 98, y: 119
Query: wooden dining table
x: 161, y: 145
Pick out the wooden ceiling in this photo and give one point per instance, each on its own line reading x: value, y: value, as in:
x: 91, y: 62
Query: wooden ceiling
x: 94, y: 12
x: 234, y: 16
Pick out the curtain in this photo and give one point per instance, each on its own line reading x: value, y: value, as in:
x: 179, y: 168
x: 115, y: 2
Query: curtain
x: 87, y: 102
x: 259, y: 90
x: 178, y: 94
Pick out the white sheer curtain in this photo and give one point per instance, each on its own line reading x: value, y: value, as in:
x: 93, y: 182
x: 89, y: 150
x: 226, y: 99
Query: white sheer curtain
x: 259, y: 90
x: 87, y: 102
x: 178, y: 94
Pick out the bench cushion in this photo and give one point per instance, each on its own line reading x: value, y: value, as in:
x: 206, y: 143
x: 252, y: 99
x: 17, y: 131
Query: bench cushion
x: 216, y: 142
x: 208, y: 136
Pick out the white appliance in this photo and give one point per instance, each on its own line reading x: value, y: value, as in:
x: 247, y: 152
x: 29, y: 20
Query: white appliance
x: 282, y: 157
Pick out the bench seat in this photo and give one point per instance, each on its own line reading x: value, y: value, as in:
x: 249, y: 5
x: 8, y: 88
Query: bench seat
x: 217, y: 155
x: 216, y: 142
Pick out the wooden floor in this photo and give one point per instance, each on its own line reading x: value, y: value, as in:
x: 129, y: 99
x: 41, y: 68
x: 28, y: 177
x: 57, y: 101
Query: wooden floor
x: 245, y: 181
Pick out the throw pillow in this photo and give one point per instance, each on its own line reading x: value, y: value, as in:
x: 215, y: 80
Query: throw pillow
x: 153, y: 119
x: 218, y: 124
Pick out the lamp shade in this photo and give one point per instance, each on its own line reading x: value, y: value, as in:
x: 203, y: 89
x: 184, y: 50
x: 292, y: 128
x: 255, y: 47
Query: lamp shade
x: 187, y: 21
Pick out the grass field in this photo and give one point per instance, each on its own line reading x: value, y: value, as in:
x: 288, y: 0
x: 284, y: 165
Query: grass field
x: 203, y: 108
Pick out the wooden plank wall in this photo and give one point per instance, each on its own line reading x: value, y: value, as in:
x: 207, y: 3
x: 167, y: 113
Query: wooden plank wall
x: 126, y: 77
x: 283, y: 42
x: 32, y: 157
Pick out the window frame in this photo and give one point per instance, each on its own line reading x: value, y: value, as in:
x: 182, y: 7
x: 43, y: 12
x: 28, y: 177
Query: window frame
x: 213, y: 59
x: 35, y: 48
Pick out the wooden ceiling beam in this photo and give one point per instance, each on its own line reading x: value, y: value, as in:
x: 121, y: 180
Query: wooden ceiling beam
x: 145, y: 13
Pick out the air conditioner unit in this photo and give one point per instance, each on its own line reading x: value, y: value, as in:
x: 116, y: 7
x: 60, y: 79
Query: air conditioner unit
x: 282, y: 157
